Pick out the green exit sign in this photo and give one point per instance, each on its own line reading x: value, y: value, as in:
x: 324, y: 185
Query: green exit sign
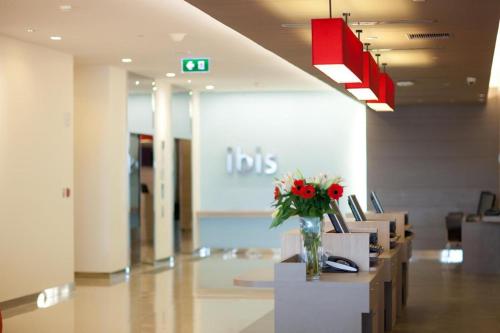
x: 195, y: 65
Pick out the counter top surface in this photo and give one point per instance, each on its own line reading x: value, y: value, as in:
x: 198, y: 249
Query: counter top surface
x: 392, y: 253
x: 264, y: 278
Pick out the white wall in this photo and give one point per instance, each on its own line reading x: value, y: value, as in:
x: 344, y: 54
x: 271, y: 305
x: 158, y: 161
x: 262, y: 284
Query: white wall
x: 140, y: 114
x: 181, y: 119
x: 311, y: 131
x: 101, y: 169
x: 36, y: 163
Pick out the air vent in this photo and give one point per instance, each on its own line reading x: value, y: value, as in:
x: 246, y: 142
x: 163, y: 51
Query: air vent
x: 429, y: 36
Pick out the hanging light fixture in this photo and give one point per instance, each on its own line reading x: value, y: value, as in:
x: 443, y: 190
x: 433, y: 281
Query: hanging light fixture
x: 386, y: 94
x: 368, y: 89
x: 335, y: 49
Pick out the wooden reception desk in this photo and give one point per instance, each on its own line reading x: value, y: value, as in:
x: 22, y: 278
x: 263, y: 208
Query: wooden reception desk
x: 337, y: 303
x: 368, y: 301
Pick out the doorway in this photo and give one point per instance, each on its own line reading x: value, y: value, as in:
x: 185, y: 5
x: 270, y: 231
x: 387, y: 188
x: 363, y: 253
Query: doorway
x: 183, y: 214
x: 134, y: 199
x: 141, y: 214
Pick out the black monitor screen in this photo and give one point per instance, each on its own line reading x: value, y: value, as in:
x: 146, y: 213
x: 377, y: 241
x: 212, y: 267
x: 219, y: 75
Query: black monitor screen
x: 357, y: 212
x: 486, y: 201
x: 376, y: 203
x: 338, y: 220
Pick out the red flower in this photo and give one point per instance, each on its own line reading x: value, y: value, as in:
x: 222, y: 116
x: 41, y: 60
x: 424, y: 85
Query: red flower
x: 277, y: 193
x: 335, y: 191
x: 299, y: 183
x: 298, y: 186
x: 308, y: 192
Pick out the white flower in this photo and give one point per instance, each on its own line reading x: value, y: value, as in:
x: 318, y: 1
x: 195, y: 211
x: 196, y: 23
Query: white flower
x: 287, y: 182
x: 325, y: 181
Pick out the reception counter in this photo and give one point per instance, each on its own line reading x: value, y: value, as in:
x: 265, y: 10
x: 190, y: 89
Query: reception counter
x: 481, y: 247
x: 367, y: 301
x: 336, y: 303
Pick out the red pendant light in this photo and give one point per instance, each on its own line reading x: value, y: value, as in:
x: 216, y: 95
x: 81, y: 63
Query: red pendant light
x: 368, y: 89
x: 336, y: 51
x: 386, y: 94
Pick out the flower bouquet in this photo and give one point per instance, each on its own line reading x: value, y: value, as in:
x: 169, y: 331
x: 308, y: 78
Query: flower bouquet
x: 309, y: 199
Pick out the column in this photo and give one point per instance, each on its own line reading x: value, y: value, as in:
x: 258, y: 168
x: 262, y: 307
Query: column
x: 101, y: 170
x: 163, y: 151
x: 195, y: 165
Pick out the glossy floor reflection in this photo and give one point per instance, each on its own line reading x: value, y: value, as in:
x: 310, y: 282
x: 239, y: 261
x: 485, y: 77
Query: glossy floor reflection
x: 198, y: 297
x: 443, y: 298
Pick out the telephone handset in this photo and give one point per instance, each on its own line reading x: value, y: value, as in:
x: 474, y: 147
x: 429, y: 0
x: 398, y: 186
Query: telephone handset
x: 335, y: 264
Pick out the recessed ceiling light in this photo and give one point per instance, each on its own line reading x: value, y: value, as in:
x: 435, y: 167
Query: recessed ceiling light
x: 372, y: 37
x: 153, y: 83
x: 190, y: 93
x: 210, y: 87
x: 154, y: 88
x: 189, y: 81
x: 30, y: 30
x: 177, y: 36
x: 55, y: 37
x: 170, y: 75
x: 405, y: 83
x: 126, y: 60
x: 137, y: 83
x: 65, y: 8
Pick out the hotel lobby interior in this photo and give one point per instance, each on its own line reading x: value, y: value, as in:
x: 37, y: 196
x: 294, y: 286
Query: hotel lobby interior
x: 249, y: 166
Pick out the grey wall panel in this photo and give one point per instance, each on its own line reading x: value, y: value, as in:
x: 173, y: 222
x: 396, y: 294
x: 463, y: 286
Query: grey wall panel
x: 431, y: 160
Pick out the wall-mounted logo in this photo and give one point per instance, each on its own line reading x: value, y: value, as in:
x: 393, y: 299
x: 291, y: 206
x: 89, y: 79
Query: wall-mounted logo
x: 237, y: 160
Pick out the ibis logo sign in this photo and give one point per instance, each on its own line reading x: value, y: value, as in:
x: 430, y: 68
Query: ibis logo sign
x: 195, y: 65
x: 243, y: 163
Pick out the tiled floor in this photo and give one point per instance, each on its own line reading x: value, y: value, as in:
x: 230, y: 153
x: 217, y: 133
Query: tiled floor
x: 198, y: 297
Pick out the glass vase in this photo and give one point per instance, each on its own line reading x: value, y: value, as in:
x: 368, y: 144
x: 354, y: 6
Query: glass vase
x: 311, y: 229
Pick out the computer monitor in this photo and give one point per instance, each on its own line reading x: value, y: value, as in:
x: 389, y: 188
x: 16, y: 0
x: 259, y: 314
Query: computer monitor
x: 338, y: 220
x: 357, y: 212
x: 376, y: 203
x: 486, y: 201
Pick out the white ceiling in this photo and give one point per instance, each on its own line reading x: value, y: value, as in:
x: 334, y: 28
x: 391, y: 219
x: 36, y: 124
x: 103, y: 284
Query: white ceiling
x: 105, y: 31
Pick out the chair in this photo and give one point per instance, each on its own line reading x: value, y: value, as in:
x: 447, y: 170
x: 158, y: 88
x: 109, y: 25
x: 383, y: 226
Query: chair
x: 454, y: 226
